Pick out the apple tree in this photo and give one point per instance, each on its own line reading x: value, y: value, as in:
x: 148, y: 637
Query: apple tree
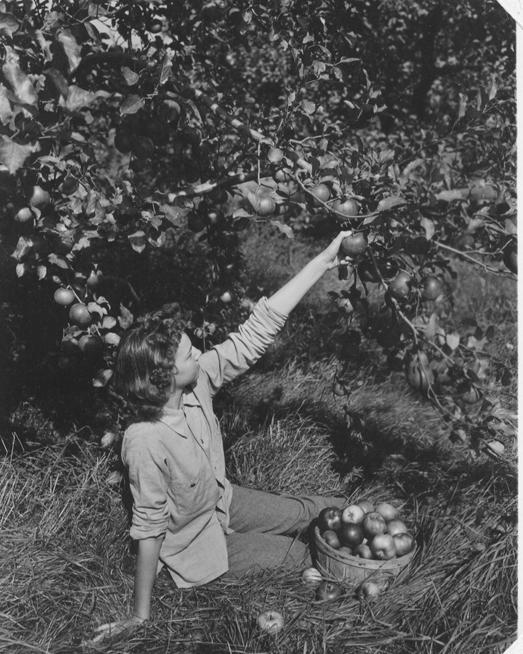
x: 138, y: 138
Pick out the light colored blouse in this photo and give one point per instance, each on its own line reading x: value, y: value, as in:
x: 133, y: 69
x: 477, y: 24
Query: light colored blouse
x: 176, y: 466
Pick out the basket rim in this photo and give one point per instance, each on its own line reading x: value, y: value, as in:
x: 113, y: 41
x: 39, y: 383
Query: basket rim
x: 358, y: 560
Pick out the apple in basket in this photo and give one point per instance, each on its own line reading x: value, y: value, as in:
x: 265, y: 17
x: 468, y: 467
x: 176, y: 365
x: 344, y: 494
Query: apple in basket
x: 388, y: 511
x: 332, y: 538
x: 403, y: 543
x: 350, y: 534
x: 363, y: 551
x: 352, y: 514
x: 366, y: 505
x: 374, y: 524
x: 382, y: 546
x: 329, y: 518
x: 396, y: 526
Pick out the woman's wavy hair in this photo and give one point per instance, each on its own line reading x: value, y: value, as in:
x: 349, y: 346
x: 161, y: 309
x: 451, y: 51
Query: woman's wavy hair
x: 144, y: 368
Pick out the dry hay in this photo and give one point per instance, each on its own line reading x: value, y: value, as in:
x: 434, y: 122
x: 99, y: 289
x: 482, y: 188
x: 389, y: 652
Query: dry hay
x: 65, y: 566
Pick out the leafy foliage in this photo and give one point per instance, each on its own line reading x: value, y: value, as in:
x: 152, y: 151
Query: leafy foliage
x: 139, y: 138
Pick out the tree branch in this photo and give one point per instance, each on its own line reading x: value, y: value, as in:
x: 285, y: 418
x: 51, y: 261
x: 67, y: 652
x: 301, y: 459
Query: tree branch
x: 209, y: 187
x: 466, y: 256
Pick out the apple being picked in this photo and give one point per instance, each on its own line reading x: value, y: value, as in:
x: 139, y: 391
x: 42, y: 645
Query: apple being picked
x: 329, y: 518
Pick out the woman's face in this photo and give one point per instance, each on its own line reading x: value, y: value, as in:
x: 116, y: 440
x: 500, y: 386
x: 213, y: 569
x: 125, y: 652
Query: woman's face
x: 187, y: 367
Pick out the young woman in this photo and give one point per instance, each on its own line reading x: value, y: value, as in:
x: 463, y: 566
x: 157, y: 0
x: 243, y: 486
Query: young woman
x: 186, y: 514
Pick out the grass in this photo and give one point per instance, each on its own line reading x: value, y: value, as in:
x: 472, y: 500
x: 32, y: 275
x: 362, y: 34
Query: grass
x: 66, y: 563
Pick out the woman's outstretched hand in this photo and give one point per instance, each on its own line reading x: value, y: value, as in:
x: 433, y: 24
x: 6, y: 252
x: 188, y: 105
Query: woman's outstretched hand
x: 288, y: 296
x: 331, y: 254
x: 111, y: 630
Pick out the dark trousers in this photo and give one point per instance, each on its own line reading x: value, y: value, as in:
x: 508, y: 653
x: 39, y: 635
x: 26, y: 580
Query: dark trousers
x: 266, y: 529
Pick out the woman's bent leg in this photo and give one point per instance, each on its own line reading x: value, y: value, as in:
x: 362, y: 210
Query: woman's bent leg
x: 271, y: 513
x: 263, y: 524
x: 255, y: 551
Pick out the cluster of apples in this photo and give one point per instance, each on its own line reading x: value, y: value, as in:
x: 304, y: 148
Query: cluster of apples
x: 365, y: 530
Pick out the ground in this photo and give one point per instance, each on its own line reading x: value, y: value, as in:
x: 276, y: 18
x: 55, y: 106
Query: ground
x: 65, y: 559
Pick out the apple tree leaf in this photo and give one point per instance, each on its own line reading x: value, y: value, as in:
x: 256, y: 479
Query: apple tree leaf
x: 102, y: 378
x: 71, y: 48
x: 453, y: 194
x: 8, y: 24
x: 241, y: 213
x: 308, y: 107
x: 108, y: 322
x: 13, y: 155
x: 284, y: 229
x: 431, y: 327
x: 452, y: 340
x: 428, y: 226
x: 493, y: 88
x: 165, y: 73
x: 510, y: 226
x: 23, y: 246
x: 77, y: 98
x: 19, y: 82
x: 57, y: 261
x: 130, y: 76
x: 41, y: 271
x: 319, y: 67
x: 389, y: 203
x: 126, y: 318
x: 175, y: 215
x: 413, y: 166
x: 59, y: 81
x: 131, y: 104
x: 94, y: 307
x: 6, y: 111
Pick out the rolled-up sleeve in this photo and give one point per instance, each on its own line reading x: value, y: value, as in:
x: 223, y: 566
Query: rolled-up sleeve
x: 148, y: 475
x: 244, y: 347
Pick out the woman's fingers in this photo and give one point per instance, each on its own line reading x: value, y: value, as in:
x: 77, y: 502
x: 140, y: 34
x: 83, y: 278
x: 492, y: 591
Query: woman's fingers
x: 112, y: 629
x: 106, y: 628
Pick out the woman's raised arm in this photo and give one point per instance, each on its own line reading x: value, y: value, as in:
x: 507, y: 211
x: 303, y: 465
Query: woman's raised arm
x: 288, y: 296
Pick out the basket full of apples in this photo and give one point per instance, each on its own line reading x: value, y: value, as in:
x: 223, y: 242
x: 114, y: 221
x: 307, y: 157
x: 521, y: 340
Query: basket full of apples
x: 361, y: 540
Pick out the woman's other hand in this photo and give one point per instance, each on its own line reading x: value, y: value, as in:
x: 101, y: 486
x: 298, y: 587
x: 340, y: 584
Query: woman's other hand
x: 111, y: 630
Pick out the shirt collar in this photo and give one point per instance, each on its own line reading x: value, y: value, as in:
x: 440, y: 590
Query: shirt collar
x: 190, y: 399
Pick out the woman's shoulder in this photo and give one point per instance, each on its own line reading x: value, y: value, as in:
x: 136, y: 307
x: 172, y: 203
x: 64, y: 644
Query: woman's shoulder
x: 137, y: 428
x: 141, y: 436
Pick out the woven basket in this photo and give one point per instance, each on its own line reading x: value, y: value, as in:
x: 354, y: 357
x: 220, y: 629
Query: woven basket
x: 354, y: 569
